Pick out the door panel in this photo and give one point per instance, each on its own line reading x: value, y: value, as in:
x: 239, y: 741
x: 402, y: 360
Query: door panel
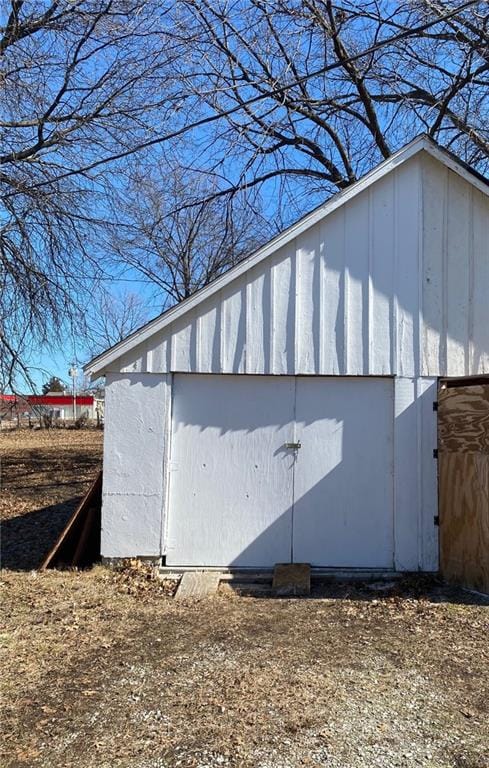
x: 231, y: 480
x: 343, y: 507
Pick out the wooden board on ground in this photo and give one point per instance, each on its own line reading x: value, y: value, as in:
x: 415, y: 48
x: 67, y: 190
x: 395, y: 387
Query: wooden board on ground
x: 291, y: 579
x: 198, y: 584
x: 79, y: 542
x: 463, y: 445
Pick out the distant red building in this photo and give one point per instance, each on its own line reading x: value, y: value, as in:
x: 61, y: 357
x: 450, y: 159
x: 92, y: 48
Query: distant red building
x: 56, y: 404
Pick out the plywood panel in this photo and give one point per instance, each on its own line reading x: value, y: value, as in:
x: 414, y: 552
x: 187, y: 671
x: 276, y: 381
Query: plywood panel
x: 407, y: 499
x: 464, y: 519
x: 463, y: 423
x: 463, y: 435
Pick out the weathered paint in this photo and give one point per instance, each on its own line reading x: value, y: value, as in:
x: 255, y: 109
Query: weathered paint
x: 263, y: 502
x: 136, y: 505
x: 415, y: 475
x: 393, y: 282
x: 390, y: 279
x: 343, y: 490
x: 230, y: 478
x: 136, y: 413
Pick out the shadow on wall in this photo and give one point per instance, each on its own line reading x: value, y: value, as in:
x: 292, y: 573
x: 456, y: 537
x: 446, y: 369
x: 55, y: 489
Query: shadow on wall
x: 333, y: 500
x: 358, y: 278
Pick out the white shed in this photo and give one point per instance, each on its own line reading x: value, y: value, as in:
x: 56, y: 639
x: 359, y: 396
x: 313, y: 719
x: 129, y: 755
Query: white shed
x: 285, y: 412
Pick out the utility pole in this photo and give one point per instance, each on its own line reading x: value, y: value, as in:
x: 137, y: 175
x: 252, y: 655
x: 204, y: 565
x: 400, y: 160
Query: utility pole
x: 73, y: 372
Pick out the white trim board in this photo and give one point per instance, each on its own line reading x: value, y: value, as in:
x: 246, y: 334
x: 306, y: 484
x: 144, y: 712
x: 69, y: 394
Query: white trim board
x: 98, y: 365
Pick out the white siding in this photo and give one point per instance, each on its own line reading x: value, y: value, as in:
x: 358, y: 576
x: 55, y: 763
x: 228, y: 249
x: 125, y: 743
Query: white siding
x: 479, y: 308
x: 394, y: 282
x: 415, y: 475
x: 455, y: 274
x: 137, y: 413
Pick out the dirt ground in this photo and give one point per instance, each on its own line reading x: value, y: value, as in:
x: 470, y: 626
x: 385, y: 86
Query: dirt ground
x: 102, y: 668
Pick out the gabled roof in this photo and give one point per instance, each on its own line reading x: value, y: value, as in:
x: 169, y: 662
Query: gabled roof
x: 97, y: 365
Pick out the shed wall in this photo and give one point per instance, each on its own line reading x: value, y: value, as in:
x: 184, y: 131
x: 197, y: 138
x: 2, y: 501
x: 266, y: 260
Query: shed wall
x: 135, y: 443
x: 137, y: 466
x: 393, y: 282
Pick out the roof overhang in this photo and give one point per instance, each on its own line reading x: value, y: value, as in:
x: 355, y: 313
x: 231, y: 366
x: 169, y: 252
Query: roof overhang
x: 98, y: 365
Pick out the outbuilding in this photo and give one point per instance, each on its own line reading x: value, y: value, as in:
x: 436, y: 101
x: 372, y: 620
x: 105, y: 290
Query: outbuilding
x: 285, y: 413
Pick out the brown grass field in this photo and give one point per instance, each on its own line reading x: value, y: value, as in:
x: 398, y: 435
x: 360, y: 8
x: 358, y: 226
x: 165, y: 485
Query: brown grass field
x: 102, y: 668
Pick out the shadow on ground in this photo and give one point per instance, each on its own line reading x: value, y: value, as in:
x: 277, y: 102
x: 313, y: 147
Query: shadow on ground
x: 27, y: 539
x: 422, y: 587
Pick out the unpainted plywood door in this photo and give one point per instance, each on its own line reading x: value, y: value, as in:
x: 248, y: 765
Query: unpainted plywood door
x: 463, y: 480
x: 343, y: 486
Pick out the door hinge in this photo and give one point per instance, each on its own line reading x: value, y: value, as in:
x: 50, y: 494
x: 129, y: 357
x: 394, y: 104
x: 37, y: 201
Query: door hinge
x: 435, y: 453
x: 435, y: 405
x: 436, y: 519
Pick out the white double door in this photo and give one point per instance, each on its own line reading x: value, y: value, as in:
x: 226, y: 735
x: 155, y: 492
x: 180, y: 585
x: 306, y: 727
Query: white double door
x: 240, y: 492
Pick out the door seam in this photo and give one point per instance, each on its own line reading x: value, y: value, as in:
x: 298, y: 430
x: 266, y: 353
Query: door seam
x: 168, y: 450
x: 294, y: 464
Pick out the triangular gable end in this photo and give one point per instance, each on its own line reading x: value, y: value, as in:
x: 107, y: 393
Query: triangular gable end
x: 152, y: 336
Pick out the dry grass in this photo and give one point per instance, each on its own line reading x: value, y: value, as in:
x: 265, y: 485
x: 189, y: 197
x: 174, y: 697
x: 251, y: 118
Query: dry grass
x: 103, y: 669
x: 43, y: 475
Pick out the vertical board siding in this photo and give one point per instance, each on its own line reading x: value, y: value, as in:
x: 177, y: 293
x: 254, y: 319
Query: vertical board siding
x: 283, y: 333
x: 357, y: 250
x: 458, y: 259
x: 455, y: 274
x: 406, y: 221
x: 479, y: 326
x: 256, y: 321
x: 208, y: 331
x: 234, y: 329
x: 433, y: 244
x: 182, y: 337
x: 381, y: 272
x: 307, y: 298
x: 394, y: 282
x: 333, y: 299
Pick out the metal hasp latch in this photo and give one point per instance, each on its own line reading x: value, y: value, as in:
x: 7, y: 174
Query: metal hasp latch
x: 293, y: 446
